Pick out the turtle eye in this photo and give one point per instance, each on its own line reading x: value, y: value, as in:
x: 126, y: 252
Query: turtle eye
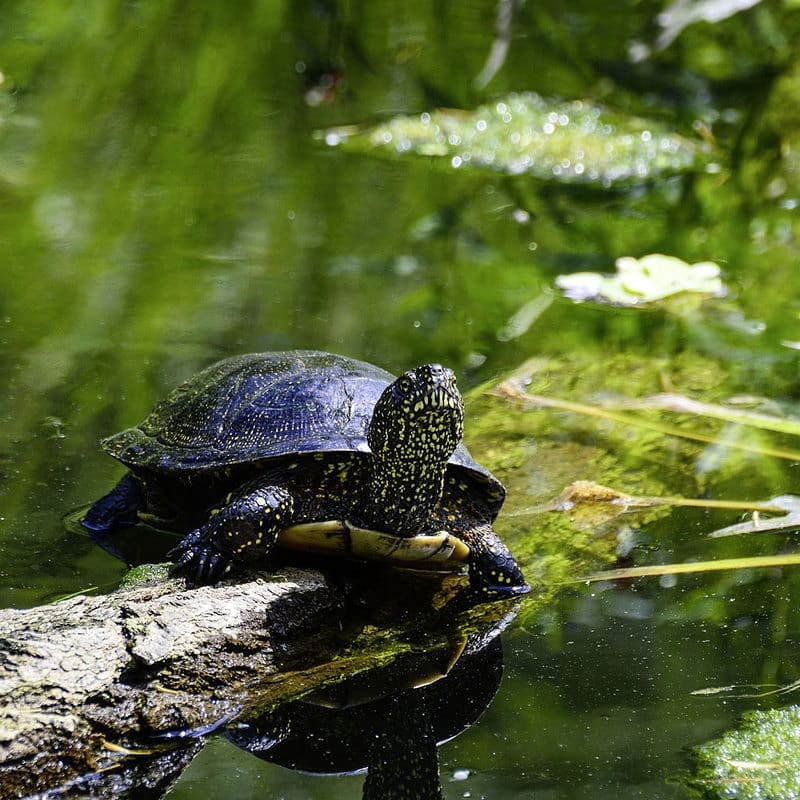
x: 404, y: 385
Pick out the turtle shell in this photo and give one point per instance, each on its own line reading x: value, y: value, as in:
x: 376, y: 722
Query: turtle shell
x: 263, y: 406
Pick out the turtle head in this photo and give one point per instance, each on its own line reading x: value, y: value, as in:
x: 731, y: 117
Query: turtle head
x: 419, y: 417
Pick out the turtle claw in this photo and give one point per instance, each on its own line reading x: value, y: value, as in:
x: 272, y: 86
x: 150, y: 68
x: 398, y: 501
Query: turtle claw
x: 199, y: 561
x: 183, y: 561
x: 186, y: 545
x: 211, y: 566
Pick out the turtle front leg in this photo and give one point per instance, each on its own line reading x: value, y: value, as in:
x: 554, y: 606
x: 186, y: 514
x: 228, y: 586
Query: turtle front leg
x: 243, y: 529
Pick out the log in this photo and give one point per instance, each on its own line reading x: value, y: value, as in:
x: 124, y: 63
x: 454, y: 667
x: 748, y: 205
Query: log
x: 112, y: 694
x: 82, y: 678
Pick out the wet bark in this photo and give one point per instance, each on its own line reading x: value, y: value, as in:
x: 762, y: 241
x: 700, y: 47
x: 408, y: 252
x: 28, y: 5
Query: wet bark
x: 86, y: 680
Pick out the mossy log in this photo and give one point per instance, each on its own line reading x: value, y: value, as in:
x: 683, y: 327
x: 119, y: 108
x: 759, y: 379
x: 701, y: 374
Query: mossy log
x: 84, y: 679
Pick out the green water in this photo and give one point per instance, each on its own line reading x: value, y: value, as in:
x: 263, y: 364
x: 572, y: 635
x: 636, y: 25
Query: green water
x: 164, y: 202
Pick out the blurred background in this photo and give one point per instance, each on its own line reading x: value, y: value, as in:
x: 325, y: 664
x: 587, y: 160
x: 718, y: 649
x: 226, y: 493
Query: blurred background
x: 168, y: 197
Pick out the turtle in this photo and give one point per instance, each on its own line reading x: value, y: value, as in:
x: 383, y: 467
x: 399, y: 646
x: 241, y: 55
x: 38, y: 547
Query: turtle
x: 314, y: 451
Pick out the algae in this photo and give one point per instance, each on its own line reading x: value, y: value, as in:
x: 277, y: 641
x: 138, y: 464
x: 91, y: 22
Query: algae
x: 575, y: 142
x: 759, y: 759
x: 145, y: 574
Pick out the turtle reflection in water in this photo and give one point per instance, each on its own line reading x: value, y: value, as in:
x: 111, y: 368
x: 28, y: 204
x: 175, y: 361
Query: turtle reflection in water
x: 393, y: 737
x: 317, y: 452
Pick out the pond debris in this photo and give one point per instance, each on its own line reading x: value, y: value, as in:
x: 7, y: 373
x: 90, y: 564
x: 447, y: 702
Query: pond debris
x: 647, y: 281
x: 590, y: 504
x: 681, y: 13
x: 574, y: 142
x: 500, y: 45
x: 787, y: 503
x: 746, y: 691
x: 125, y: 751
x: 525, y: 317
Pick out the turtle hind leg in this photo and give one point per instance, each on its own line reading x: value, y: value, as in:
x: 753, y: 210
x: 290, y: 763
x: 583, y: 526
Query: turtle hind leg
x: 117, y: 509
x: 493, y: 572
x: 245, y: 528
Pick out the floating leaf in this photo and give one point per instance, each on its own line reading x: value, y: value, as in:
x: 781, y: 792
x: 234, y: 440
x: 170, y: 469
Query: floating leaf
x: 573, y: 142
x: 645, y: 281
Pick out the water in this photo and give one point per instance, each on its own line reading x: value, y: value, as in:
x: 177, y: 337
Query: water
x: 165, y: 203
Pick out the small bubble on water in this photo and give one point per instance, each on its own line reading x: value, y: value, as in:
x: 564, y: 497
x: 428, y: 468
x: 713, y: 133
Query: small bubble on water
x: 460, y: 774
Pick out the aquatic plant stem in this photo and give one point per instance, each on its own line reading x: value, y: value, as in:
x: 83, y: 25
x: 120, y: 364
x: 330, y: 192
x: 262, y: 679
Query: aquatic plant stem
x: 752, y: 562
x: 509, y: 390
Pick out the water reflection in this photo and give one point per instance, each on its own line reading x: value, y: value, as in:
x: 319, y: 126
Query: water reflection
x: 381, y: 723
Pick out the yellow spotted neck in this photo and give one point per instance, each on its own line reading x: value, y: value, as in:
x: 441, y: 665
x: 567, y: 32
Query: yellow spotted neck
x: 402, y: 494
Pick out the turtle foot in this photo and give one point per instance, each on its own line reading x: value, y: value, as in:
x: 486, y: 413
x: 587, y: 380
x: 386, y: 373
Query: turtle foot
x: 119, y: 508
x: 199, y: 561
